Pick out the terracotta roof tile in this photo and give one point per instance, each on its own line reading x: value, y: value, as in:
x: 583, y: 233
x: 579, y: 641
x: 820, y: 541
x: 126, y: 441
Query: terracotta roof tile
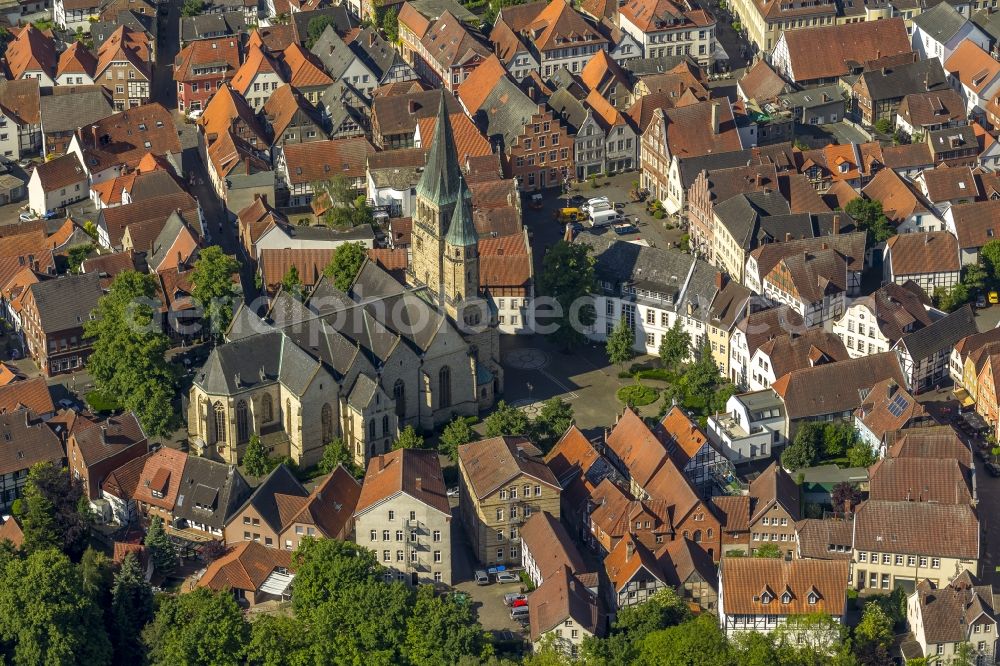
x: 929, y: 252
x: 932, y: 108
x: 550, y: 545
x: 899, y: 199
x: 844, y: 46
x: 414, y: 472
x: 257, y: 61
x: 309, y: 262
x: 304, y: 70
x: 122, y: 138
x: 559, y: 598
x: 124, y: 481
x: 244, y: 567
x: 77, y: 60
x: 889, y: 407
x: 504, y: 262
x: 558, y: 23
x: 973, y: 66
x: 162, y: 471
x: 940, y: 481
x: 684, y: 434
x: 31, y: 393
x: 491, y: 463
x: 205, y: 53
x: 916, y: 528
x: 826, y: 539
x: 11, y: 531
x: 31, y: 51
x: 688, y: 130
x: 976, y: 223
x: 640, y: 451
x: 745, y: 581
x: 26, y: 442
x: 60, y: 172
x: 468, y: 141
x: 321, y: 160
x: 626, y: 559
x: 761, y: 83
x: 474, y: 90
x: 20, y: 100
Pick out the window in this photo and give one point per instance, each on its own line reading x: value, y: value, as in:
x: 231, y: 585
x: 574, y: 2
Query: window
x: 923, y: 561
x: 385, y: 535
x: 513, y: 512
x: 242, y: 422
x: 326, y: 421
x: 437, y: 577
x: 499, y: 553
x: 911, y: 560
x: 386, y: 556
x: 437, y: 556
x: 935, y: 563
x: 246, y: 519
x: 413, y: 535
x: 392, y: 515
x: 373, y: 533
x: 886, y: 558
x: 899, y: 560
x: 499, y: 514
x: 444, y: 387
x: 503, y: 493
x: 862, y: 557
x: 436, y: 536
x: 538, y: 491
x: 500, y: 535
x: 399, y: 535
x: 220, y: 423
x: 399, y: 556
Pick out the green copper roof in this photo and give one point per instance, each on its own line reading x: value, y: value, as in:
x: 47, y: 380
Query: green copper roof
x: 439, y: 182
x: 462, y: 230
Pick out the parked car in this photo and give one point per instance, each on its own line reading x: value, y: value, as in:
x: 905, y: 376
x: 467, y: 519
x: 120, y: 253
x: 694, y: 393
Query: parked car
x: 982, y: 455
x: 981, y: 300
x: 49, y: 214
x: 994, y: 297
x: 27, y: 216
x: 482, y: 578
x: 993, y: 469
x: 520, y: 613
x: 511, y: 597
x: 624, y: 228
x: 520, y: 603
x: 536, y: 201
x: 66, y: 403
x: 453, y: 492
x: 507, y: 577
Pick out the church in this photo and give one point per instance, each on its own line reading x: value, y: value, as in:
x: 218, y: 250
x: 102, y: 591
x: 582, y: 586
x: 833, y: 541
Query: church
x: 363, y: 364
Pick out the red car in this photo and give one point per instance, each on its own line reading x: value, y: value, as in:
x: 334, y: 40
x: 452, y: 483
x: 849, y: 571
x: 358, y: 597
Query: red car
x: 519, y: 602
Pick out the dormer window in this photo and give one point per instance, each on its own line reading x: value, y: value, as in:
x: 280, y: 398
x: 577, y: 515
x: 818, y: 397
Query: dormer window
x: 765, y: 598
x: 786, y: 598
x: 813, y: 598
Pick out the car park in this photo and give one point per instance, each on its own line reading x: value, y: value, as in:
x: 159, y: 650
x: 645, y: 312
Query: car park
x: 482, y: 578
x: 507, y: 577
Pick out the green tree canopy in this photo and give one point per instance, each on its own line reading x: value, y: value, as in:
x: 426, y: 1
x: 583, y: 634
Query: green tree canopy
x: 441, y: 629
x: 336, y: 453
x: 53, y: 518
x: 255, y: 460
x: 77, y: 254
x: 454, y: 435
x: 192, y: 7
x: 214, y: 289
x: 128, y: 360
x: 161, y: 549
x: 805, y: 448
x: 767, y: 551
x: 868, y: 215
x: 553, y: 420
x: 506, y: 421
x: 131, y: 610
x: 348, y: 208
x: 46, y: 614
x: 280, y: 640
x: 675, y: 346
x: 619, y: 344
x: 198, y: 627
x: 292, y: 283
x: 568, y: 277
x: 316, y: 27
x: 324, y: 567
x: 408, y: 438
x: 345, y: 264
x: 699, y: 641
x: 861, y: 454
x: 989, y: 255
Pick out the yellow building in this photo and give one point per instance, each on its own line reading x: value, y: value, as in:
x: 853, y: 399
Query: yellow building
x: 503, y: 481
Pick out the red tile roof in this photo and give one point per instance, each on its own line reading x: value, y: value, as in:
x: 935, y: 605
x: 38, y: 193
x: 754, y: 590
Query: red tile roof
x: 161, y: 473
x: 207, y: 54
x: 844, y: 46
x: 245, y: 567
x: 414, y: 472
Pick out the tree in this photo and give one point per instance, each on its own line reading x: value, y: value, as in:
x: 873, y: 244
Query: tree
x: 568, y: 277
x: 53, y: 516
x: 345, y: 263
x: 883, y: 125
x: 408, y: 439
x: 454, y: 435
x: 347, y: 208
x: 365, y: 625
x: 989, y: 254
x: 389, y: 22
x: 315, y: 29
x: 974, y: 277
x: 805, y: 447
x: 698, y: 641
x: 506, y: 421
x: 77, y: 254
x: 128, y: 359
x: 845, y: 493
x: 662, y: 610
x: 861, y: 455
x: 869, y: 216
x: 198, y: 627
x: 279, y: 640
x: 700, y: 380
x: 292, y: 283
x: 324, y: 568
x: 873, y: 636
x: 214, y: 289
x: 161, y: 548
x: 767, y: 551
x: 619, y: 344
x: 837, y: 438
x: 255, y: 460
x: 950, y: 300
x: 46, y: 614
x: 441, y: 629
x: 553, y: 420
x: 336, y: 453
x: 192, y: 7
x: 131, y: 610
x: 675, y: 346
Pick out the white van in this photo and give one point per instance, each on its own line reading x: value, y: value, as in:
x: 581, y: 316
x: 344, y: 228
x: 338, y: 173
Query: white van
x: 603, y: 218
x: 597, y: 206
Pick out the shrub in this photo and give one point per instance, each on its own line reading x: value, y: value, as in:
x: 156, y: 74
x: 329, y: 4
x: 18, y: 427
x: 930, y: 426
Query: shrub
x: 637, y: 395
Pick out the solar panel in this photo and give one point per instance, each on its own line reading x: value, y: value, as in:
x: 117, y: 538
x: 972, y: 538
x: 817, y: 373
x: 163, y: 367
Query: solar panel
x: 898, y: 405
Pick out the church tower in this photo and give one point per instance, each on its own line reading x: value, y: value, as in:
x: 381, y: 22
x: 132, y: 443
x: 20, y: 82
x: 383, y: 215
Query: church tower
x: 461, y: 263
x: 438, y: 192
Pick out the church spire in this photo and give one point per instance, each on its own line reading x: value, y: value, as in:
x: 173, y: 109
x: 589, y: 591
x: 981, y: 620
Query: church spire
x: 462, y: 232
x: 440, y: 180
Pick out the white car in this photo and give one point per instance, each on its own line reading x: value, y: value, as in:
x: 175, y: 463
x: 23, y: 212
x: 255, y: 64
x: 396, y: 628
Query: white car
x: 507, y: 577
x: 195, y: 115
x: 453, y: 492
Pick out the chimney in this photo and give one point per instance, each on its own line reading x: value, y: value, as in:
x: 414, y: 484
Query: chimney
x: 719, y: 280
x: 532, y: 94
x: 93, y: 131
x: 715, y: 118
x: 420, y: 484
x: 825, y: 246
x: 371, y: 38
x: 379, y: 463
x: 836, y: 224
x: 788, y: 236
x: 412, y: 106
x: 759, y: 180
x: 629, y: 550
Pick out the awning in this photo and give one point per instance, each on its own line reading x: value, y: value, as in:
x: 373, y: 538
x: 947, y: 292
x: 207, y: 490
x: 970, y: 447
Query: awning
x: 964, y: 398
x: 277, y: 583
